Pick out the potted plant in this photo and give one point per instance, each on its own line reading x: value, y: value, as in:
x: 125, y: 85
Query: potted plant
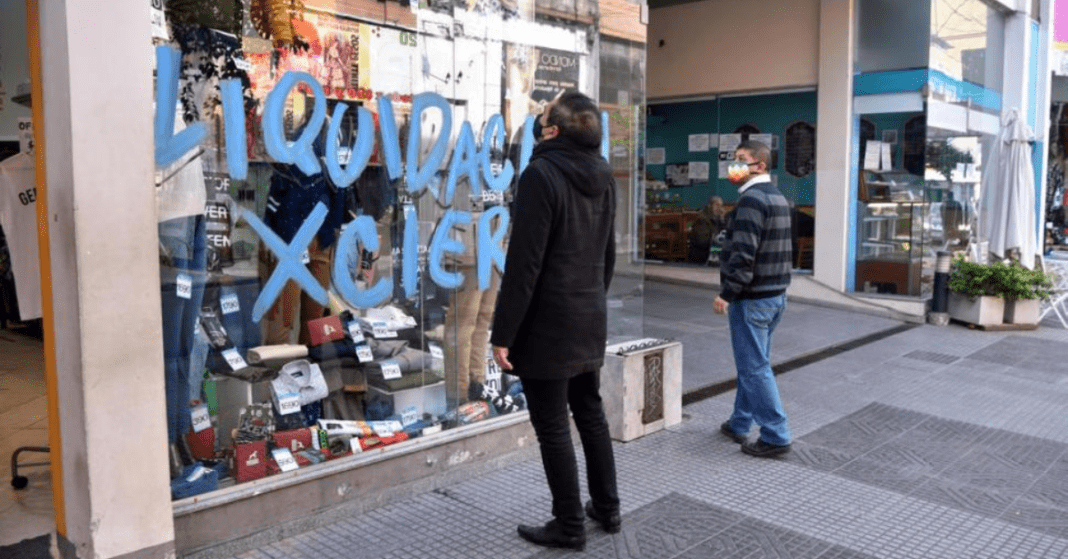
x: 975, y: 292
x: 1023, y: 291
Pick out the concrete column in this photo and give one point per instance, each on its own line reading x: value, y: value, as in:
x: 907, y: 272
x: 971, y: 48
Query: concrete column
x: 834, y: 133
x: 97, y: 82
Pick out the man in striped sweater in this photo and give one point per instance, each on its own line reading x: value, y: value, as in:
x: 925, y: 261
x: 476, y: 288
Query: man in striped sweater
x: 754, y: 273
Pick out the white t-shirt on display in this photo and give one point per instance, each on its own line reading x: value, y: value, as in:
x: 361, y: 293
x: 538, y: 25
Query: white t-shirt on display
x: 18, y: 216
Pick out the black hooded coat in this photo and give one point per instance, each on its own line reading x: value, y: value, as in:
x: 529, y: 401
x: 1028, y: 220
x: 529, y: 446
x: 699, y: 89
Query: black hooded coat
x: 551, y: 311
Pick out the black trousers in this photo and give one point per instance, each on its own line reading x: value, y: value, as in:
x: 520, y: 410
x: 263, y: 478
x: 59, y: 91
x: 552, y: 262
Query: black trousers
x: 548, y: 402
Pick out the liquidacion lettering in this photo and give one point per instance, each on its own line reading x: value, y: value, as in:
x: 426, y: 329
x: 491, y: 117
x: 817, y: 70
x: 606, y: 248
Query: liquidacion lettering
x: 469, y: 159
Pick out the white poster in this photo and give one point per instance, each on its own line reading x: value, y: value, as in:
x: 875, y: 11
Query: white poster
x: 698, y: 142
x: 886, y: 160
x: 729, y: 143
x: 654, y: 156
x: 723, y: 165
x: 699, y: 171
x: 872, y: 154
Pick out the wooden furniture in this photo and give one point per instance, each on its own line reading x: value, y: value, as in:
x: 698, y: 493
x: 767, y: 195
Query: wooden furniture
x: 667, y: 234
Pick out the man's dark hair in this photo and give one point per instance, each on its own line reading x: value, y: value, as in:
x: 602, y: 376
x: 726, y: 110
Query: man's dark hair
x: 578, y: 119
x: 759, y: 150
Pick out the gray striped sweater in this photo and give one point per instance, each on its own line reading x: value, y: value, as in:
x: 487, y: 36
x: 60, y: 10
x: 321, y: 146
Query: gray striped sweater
x: 757, y: 255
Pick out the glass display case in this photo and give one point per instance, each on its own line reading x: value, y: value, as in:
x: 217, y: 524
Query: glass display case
x: 892, y: 237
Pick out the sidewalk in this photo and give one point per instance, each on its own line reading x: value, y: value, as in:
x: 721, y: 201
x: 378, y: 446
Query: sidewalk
x: 927, y: 443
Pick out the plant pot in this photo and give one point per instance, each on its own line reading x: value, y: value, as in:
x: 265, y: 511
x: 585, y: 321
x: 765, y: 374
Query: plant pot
x: 1022, y: 311
x: 984, y: 311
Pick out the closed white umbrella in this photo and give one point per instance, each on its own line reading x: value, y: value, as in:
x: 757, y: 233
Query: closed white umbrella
x: 1010, y: 215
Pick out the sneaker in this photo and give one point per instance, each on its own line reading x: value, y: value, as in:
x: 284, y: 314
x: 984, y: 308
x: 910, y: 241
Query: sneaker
x: 725, y: 428
x: 761, y: 449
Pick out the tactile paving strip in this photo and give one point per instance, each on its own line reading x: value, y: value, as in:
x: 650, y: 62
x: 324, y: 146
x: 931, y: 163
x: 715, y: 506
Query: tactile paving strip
x: 932, y: 357
x: 679, y: 527
x: 1015, y: 478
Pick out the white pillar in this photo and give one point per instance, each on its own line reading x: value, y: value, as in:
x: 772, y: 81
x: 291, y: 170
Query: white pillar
x: 834, y: 133
x: 97, y: 82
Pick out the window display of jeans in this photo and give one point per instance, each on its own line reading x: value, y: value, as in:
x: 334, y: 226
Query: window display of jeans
x: 182, y: 279
x: 227, y: 302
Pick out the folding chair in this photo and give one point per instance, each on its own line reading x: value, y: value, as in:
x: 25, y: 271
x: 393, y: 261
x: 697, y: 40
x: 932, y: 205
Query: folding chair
x: 1057, y: 302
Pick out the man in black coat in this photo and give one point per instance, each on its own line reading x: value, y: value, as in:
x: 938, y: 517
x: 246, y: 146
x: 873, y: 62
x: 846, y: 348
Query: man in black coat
x: 550, y: 325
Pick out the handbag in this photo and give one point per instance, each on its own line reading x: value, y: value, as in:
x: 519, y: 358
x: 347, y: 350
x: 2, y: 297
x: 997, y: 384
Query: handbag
x: 303, y: 378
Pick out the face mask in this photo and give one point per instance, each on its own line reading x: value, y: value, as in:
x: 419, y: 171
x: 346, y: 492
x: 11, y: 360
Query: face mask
x: 737, y: 171
x: 538, y: 130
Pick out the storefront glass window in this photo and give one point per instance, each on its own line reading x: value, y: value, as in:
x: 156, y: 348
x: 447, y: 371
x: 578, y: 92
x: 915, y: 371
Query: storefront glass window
x: 920, y: 171
x: 334, y: 183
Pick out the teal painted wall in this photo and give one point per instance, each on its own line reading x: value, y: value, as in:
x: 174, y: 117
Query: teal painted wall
x: 672, y: 123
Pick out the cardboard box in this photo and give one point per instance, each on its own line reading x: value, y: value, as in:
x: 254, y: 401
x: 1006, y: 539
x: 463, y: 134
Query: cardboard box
x: 295, y: 440
x: 324, y: 330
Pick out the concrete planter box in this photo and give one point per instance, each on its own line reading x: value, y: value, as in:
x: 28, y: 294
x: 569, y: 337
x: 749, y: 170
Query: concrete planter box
x: 641, y: 385
x: 1022, y: 311
x: 984, y: 311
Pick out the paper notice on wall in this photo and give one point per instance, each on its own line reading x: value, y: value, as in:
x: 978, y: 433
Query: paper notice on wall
x: 762, y: 138
x: 699, y: 171
x: 871, y: 154
x: 729, y: 143
x: 723, y: 165
x: 654, y: 156
x: 713, y: 141
x: 886, y: 160
x: 698, y: 142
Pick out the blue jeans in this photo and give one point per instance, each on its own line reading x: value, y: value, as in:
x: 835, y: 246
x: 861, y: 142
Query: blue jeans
x: 757, y: 400
x: 184, y: 242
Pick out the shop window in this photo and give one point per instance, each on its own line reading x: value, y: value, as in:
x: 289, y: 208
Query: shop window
x: 867, y: 133
x: 800, y: 144
x: 914, y: 144
x: 745, y: 130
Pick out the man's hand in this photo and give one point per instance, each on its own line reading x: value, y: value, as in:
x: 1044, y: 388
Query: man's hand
x: 500, y: 356
x: 720, y: 305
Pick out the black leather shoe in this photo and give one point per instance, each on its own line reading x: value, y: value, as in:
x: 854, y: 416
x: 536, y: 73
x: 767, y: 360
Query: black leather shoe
x: 726, y: 430
x: 551, y: 535
x: 761, y: 449
x: 611, y: 522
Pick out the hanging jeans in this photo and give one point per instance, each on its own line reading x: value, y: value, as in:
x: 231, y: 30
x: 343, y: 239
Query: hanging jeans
x: 467, y: 324
x: 548, y: 401
x: 183, y: 259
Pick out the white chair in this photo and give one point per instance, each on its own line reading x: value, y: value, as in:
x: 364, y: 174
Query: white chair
x: 1057, y: 302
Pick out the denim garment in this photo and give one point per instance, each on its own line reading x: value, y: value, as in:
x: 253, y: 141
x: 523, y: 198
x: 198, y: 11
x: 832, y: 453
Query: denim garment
x: 757, y: 400
x: 183, y: 242
x: 548, y: 402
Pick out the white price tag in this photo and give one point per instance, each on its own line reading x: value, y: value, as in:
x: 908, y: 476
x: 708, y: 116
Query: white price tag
x: 185, y: 286
x: 492, y: 196
x: 409, y: 415
x: 305, y: 258
x: 284, y: 459
x: 363, y: 353
x: 354, y: 332
x: 230, y: 304
x: 391, y: 370
x: 354, y: 445
x: 197, y: 473
x: 234, y: 359
x: 288, y: 403
x: 242, y: 64
x: 380, y: 330
x: 201, y: 418
x: 385, y: 428
x: 159, y: 22
x: 436, y: 352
